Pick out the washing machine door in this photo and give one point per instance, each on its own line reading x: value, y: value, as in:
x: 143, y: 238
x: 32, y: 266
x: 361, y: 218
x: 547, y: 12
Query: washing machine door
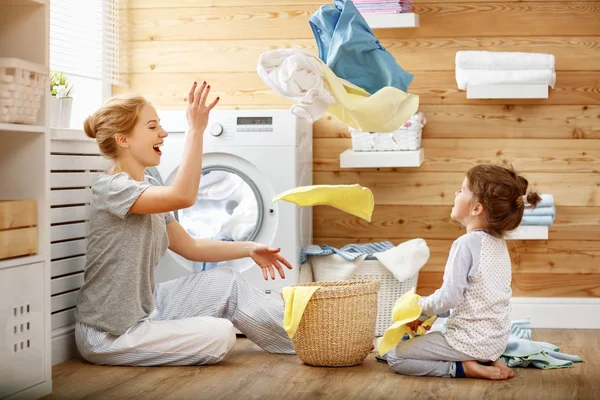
x: 230, y: 206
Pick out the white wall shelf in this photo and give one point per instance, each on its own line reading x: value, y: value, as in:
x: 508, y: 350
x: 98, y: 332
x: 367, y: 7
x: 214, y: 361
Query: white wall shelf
x: 537, y: 91
x: 381, y: 159
x: 529, y: 232
x: 390, y: 21
x: 21, y: 128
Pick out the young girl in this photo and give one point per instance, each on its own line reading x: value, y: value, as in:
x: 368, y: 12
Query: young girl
x: 122, y: 317
x: 475, y: 295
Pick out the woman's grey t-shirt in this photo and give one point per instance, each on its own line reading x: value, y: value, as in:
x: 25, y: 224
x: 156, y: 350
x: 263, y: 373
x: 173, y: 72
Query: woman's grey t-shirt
x: 122, y: 251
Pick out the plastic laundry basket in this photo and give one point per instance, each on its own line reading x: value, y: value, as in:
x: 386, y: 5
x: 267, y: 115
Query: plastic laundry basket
x: 390, y: 290
x: 336, y: 329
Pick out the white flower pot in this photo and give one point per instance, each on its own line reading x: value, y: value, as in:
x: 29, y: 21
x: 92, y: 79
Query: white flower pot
x: 60, y: 112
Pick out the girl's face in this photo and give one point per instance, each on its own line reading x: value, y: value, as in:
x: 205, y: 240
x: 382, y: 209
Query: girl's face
x: 146, y: 138
x: 462, y: 210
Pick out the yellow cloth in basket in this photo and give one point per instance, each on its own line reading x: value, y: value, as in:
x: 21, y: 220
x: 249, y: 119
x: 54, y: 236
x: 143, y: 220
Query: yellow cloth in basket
x: 296, y: 298
x: 406, y: 309
x: 353, y: 199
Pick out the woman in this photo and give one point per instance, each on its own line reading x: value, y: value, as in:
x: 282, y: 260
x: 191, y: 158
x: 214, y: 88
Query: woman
x: 122, y: 317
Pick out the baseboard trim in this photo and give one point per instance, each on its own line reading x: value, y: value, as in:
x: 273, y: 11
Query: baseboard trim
x: 557, y: 312
x: 63, y: 344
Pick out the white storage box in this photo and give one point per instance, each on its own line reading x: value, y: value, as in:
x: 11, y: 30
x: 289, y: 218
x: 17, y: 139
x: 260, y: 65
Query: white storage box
x: 407, y: 137
x: 390, y: 290
x: 22, y: 86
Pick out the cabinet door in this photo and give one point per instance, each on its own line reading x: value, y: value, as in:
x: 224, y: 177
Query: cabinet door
x: 22, y: 328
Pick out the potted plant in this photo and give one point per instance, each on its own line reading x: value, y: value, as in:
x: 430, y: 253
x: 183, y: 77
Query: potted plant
x: 61, y: 100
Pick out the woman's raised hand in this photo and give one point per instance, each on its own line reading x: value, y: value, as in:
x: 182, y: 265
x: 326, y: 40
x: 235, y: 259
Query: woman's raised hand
x: 197, y: 109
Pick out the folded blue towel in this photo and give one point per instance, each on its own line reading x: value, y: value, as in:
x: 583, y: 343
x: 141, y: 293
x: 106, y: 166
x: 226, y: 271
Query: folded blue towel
x: 537, y: 220
x: 540, y: 211
x: 547, y: 200
x: 348, y: 252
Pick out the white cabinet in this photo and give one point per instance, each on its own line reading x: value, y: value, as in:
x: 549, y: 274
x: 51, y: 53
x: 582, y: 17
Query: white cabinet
x: 22, y: 315
x: 25, y: 363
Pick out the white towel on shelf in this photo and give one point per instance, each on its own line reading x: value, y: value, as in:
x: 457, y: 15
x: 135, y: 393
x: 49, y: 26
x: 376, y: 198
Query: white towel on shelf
x: 465, y: 77
x: 406, y: 259
x: 503, y: 60
x: 334, y: 267
x: 297, y: 75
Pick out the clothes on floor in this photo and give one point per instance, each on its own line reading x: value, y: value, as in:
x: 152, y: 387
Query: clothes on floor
x: 299, y: 76
x: 348, y: 46
x: 193, y: 324
x: 352, y: 199
x: 349, y: 252
x: 475, y: 295
x: 122, y: 251
x: 421, y: 356
x: 406, y: 259
x: 521, y: 351
x: 296, y: 299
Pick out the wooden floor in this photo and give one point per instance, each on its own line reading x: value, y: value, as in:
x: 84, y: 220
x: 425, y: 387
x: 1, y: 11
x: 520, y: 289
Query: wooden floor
x: 249, y: 373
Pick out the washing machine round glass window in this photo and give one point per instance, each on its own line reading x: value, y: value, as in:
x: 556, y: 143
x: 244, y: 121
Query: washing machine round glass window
x: 228, y: 207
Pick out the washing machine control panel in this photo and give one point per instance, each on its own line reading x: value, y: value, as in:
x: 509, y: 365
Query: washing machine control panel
x: 216, y: 129
x: 254, y: 124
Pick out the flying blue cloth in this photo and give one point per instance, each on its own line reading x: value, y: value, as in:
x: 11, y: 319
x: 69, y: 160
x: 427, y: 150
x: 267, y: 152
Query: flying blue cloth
x: 348, y: 46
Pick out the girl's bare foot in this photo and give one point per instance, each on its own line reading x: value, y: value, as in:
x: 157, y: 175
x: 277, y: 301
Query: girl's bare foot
x: 475, y: 370
x: 504, y: 369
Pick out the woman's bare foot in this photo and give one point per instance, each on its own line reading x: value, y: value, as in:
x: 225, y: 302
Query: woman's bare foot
x: 475, y: 370
x: 504, y: 369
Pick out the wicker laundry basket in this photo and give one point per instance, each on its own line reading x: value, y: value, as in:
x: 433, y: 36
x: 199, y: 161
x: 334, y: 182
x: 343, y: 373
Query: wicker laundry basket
x: 22, y: 88
x: 390, y: 291
x: 337, y: 326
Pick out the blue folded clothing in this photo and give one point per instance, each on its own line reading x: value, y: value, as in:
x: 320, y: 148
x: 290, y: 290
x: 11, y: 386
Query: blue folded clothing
x: 537, y: 220
x: 348, y: 252
x: 547, y: 200
x: 541, y: 211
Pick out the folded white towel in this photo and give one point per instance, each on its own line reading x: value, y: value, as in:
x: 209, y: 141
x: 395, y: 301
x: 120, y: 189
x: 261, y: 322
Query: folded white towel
x: 297, y: 75
x: 503, y: 60
x: 334, y: 267
x: 465, y: 77
x: 406, y: 259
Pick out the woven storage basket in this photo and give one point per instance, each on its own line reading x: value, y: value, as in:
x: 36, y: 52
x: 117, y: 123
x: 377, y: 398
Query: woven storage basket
x: 336, y: 329
x: 389, y: 292
x: 22, y: 88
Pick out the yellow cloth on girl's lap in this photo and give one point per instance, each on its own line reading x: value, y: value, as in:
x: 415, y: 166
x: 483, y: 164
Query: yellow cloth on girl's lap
x: 353, y: 199
x: 406, y: 309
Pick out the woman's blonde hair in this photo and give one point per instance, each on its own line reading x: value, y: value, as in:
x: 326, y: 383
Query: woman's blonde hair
x: 116, y: 116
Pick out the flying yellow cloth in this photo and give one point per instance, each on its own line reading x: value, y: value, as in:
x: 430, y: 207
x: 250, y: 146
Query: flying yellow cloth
x: 296, y: 299
x: 353, y: 199
x: 406, y: 309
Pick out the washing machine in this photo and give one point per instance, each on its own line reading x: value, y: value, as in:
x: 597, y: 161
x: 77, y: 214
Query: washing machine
x: 249, y: 156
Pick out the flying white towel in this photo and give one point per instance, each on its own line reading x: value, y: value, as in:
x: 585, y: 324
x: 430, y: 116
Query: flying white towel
x: 465, y: 77
x: 503, y: 60
x: 406, y: 259
x: 297, y: 75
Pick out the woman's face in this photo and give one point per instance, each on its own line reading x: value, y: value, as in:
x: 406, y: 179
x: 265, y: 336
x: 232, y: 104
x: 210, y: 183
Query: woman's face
x: 146, y: 138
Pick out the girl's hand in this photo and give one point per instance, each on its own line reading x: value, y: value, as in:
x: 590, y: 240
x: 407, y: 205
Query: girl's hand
x: 268, y: 259
x: 197, y: 111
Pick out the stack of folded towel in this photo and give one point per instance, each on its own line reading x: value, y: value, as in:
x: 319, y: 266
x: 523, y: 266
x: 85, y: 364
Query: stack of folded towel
x: 504, y: 68
x: 542, y: 215
x: 383, y: 6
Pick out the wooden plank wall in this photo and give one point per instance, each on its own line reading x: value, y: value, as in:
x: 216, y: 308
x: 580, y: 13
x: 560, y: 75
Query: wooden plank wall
x: 554, y: 142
